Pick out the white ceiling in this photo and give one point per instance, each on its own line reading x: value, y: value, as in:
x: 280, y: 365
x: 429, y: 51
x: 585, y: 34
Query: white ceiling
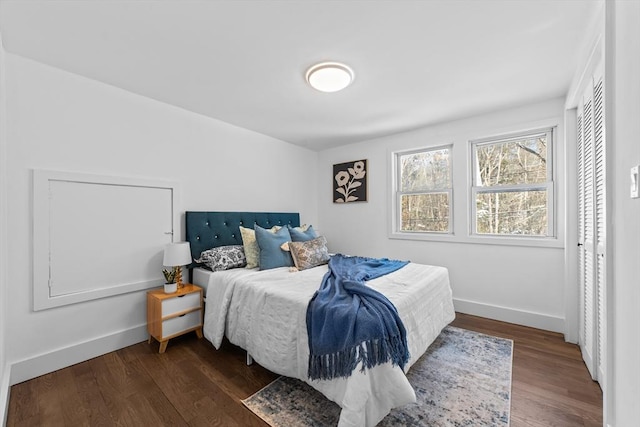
x: 416, y: 63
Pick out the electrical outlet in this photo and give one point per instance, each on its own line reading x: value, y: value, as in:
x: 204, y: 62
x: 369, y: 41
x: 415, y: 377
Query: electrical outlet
x: 634, y: 181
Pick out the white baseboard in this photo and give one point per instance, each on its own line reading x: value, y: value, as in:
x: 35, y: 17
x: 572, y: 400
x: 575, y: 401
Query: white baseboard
x: 5, y: 391
x: 43, y: 364
x: 510, y: 315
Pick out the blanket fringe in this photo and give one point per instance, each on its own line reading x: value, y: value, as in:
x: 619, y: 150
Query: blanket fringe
x: 370, y: 353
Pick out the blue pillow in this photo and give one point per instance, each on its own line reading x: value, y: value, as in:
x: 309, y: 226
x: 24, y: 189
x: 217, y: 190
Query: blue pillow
x: 300, y: 235
x: 271, y: 254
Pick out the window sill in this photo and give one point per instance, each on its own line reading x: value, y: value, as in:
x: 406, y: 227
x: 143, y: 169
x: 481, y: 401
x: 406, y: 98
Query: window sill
x: 534, y: 242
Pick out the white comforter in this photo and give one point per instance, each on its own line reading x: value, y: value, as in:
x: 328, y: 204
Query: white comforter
x: 264, y: 312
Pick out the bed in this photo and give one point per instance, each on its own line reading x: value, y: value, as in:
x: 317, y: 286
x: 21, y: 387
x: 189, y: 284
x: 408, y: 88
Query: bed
x: 264, y: 312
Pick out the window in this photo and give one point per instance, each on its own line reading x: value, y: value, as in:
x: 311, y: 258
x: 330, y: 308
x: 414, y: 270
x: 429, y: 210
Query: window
x: 424, y: 191
x: 512, y: 189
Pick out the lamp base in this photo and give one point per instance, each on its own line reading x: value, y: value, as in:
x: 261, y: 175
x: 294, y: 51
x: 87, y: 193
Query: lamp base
x: 179, y: 276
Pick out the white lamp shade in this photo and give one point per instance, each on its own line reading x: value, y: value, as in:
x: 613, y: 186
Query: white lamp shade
x: 177, y: 254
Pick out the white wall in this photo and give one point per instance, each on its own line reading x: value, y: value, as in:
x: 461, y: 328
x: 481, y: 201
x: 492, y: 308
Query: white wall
x: 513, y: 283
x: 624, y: 61
x: 61, y: 121
x: 4, y: 370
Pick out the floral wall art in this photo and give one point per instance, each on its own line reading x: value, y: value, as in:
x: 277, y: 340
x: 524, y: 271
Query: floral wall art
x: 350, y: 182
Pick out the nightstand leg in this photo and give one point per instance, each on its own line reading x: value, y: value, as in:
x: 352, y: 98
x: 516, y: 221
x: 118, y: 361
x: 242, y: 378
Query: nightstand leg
x: 163, y: 346
x: 199, y: 332
x: 149, y: 340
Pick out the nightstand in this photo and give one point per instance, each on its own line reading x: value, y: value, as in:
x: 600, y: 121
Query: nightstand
x: 172, y: 315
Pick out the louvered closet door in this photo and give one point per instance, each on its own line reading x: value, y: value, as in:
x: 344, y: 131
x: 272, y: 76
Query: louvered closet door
x: 591, y: 226
x: 586, y: 242
x: 600, y: 214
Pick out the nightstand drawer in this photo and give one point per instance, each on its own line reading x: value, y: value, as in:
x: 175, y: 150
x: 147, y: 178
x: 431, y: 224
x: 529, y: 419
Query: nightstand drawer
x: 180, y: 324
x: 180, y: 303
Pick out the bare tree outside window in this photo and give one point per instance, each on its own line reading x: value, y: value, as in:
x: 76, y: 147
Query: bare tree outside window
x: 424, y: 190
x: 512, y: 185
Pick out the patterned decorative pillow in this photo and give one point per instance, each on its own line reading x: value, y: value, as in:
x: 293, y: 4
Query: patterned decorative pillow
x: 311, y: 253
x: 302, y: 233
x: 223, y: 258
x: 251, y: 248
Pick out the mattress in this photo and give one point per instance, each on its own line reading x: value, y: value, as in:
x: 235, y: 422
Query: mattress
x: 201, y: 277
x: 264, y: 312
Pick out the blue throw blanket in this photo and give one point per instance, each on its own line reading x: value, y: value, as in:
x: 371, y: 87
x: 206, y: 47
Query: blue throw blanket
x: 349, y: 322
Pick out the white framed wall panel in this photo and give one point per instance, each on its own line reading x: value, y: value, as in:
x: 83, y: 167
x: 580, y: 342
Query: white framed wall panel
x: 98, y: 236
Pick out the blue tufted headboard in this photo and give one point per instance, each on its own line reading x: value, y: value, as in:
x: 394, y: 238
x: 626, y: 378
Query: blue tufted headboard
x: 206, y: 230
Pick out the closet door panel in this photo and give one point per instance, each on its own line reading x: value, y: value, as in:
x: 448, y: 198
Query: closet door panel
x: 592, y: 227
x: 600, y: 223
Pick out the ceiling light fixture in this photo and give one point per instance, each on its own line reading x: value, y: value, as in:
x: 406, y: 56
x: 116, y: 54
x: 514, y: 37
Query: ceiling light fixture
x: 329, y: 76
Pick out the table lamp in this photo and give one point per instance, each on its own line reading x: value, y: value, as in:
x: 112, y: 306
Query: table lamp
x: 176, y: 255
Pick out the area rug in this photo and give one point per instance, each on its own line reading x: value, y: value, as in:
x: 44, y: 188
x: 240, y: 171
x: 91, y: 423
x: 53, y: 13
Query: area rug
x: 464, y: 379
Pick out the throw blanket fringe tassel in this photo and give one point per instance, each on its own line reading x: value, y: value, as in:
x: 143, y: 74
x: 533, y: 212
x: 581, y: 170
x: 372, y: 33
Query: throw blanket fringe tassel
x: 370, y: 353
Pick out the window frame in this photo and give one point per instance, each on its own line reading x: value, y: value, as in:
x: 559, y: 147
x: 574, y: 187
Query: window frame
x: 398, y: 193
x: 548, y: 185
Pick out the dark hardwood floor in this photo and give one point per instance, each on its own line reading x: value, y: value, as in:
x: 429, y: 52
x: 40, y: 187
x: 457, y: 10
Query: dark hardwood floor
x: 550, y: 384
x: 192, y: 384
